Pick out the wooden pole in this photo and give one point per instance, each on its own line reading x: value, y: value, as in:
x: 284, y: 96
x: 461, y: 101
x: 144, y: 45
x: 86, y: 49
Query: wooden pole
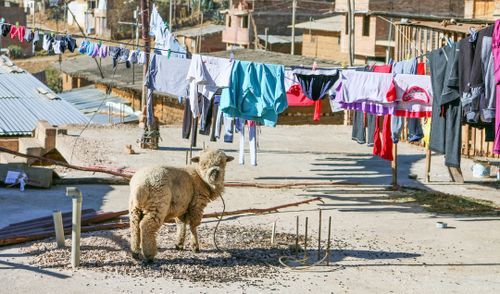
x: 350, y: 16
x: 145, y: 38
x: 294, y: 8
x: 394, y: 167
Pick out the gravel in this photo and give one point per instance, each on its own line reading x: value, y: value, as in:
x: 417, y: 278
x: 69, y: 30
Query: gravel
x: 246, y: 255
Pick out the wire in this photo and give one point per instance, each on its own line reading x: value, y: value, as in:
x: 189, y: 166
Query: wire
x: 218, y: 223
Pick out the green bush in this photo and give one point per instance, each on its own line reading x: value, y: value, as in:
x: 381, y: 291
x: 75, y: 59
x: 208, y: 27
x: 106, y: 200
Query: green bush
x: 54, y: 80
x: 15, y: 51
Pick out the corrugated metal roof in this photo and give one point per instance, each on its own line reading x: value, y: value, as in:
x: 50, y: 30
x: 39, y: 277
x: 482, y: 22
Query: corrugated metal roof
x: 278, y: 39
x: 329, y: 24
x: 90, y: 100
x: 7, y: 66
x: 24, y: 100
x: 200, y: 31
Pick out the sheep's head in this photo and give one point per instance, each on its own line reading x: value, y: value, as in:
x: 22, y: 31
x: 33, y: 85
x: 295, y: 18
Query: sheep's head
x: 211, y: 167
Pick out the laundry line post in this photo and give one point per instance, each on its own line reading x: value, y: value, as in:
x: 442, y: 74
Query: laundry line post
x: 394, y: 167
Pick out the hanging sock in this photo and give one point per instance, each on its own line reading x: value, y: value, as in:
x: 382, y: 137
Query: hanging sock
x: 383, y: 146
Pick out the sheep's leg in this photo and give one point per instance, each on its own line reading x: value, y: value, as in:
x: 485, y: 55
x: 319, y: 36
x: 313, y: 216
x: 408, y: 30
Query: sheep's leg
x: 150, y: 224
x: 135, y: 232
x: 181, y: 233
x: 194, y: 238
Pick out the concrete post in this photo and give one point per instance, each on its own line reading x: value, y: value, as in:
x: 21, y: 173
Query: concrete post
x: 74, y: 193
x: 58, y: 228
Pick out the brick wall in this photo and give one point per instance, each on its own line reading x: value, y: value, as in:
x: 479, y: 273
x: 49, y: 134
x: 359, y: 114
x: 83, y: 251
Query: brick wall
x: 431, y: 7
x: 13, y: 15
x: 323, y: 45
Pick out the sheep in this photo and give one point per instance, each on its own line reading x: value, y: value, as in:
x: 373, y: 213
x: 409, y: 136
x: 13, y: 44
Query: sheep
x: 162, y: 193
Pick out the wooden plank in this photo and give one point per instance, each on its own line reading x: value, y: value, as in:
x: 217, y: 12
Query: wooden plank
x: 394, y: 166
x: 456, y: 174
x: 428, y: 155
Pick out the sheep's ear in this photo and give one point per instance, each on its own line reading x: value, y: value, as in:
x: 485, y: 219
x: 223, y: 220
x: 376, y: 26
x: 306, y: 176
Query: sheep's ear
x: 229, y: 158
x: 195, y: 159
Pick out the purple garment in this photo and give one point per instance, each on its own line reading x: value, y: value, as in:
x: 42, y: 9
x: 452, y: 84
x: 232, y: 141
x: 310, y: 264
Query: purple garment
x: 496, y: 60
x: 368, y: 107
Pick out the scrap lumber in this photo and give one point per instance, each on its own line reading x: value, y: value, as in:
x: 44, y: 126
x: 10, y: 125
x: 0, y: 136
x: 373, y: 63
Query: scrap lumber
x: 94, y: 223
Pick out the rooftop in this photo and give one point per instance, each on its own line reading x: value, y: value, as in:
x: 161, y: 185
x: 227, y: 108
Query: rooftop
x: 329, y: 24
x: 24, y: 100
x: 278, y: 39
x: 200, y: 30
x: 458, y: 28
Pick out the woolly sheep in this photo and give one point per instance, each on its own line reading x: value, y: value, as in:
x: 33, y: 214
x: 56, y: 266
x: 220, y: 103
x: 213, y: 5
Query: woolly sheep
x: 161, y: 193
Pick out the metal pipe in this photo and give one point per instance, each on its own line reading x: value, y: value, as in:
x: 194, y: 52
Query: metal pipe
x: 328, y: 242
x: 319, y: 236
x: 75, y: 193
x: 58, y: 228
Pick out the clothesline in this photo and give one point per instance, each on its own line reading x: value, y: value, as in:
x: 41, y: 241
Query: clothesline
x: 43, y: 31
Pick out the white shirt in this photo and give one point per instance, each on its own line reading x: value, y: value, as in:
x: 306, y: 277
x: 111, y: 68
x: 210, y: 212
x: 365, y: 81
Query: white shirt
x: 206, y: 75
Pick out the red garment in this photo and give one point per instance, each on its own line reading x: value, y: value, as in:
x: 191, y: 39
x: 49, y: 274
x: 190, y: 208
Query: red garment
x: 386, y: 68
x: 421, y: 68
x: 17, y: 31
x: 382, y: 147
x: 296, y: 97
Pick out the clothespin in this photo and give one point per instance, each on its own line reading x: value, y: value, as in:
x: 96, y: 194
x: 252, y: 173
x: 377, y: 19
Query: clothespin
x: 165, y: 23
x: 2, y: 20
x: 17, y: 23
x: 408, y: 55
x: 344, y: 64
x: 315, y: 65
x: 168, y: 54
x: 231, y: 56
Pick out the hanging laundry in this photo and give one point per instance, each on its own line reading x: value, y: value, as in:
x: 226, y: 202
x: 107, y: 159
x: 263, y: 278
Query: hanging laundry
x: 141, y: 58
x: 481, y: 104
x: 382, y: 146
x: 256, y: 92
x: 215, y: 118
x: 252, y: 140
x: 413, y: 95
x: 119, y: 55
x: 189, y: 124
x: 5, y: 29
x: 384, y: 68
x: 70, y: 43
x: 446, y: 132
x: 17, y: 32
x: 165, y: 42
x: 36, y: 37
x: 405, y: 67
x: 294, y: 94
x: 496, y: 58
x: 365, y: 91
x: 47, y: 42
x: 206, y: 75
x: 28, y: 36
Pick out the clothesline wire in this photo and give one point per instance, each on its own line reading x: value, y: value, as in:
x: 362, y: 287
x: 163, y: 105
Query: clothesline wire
x: 101, y: 39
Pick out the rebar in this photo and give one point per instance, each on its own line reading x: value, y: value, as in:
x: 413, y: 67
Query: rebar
x: 305, y: 238
x: 319, y: 236
x: 297, y: 236
x: 328, y: 242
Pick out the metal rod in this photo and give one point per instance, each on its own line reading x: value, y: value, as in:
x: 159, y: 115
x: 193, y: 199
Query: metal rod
x: 305, y: 238
x: 58, y: 228
x: 319, y: 236
x: 328, y: 242
x: 187, y: 156
x: 297, y: 235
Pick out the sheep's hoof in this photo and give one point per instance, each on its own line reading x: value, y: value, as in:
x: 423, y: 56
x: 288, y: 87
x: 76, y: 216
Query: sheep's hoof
x: 196, y: 250
x: 136, y: 255
x: 179, y: 247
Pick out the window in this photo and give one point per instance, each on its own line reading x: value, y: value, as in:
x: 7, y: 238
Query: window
x: 366, y: 25
x: 346, y: 24
x: 244, y: 22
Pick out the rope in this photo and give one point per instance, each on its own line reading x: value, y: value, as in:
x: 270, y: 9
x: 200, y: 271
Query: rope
x: 218, y: 223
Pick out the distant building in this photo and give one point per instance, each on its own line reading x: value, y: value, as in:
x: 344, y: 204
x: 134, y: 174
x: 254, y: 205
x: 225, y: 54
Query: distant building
x: 282, y: 44
x: 209, y: 35
x: 321, y: 38
x: 245, y: 20
x: 13, y: 13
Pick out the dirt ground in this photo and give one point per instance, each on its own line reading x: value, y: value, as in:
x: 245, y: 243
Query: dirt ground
x: 379, y: 245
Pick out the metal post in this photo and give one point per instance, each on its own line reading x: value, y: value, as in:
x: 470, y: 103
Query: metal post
x: 76, y: 224
x: 33, y: 24
x: 294, y: 8
x: 350, y: 16
x: 319, y: 235
x: 58, y: 228
x: 328, y: 242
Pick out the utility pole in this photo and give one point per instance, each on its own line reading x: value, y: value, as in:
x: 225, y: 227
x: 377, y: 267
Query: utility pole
x: 145, y: 38
x: 294, y: 8
x: 350, y: 16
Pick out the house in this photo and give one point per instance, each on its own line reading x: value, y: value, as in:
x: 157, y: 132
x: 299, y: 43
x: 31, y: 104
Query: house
x: 245, y: 20
x: 101, y: 17
x: 373, y: 35
x: 208, y: 36
x: 321, y: 38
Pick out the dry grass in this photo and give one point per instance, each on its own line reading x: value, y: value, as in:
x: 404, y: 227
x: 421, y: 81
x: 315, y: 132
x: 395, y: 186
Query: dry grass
x: 443, y: 203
